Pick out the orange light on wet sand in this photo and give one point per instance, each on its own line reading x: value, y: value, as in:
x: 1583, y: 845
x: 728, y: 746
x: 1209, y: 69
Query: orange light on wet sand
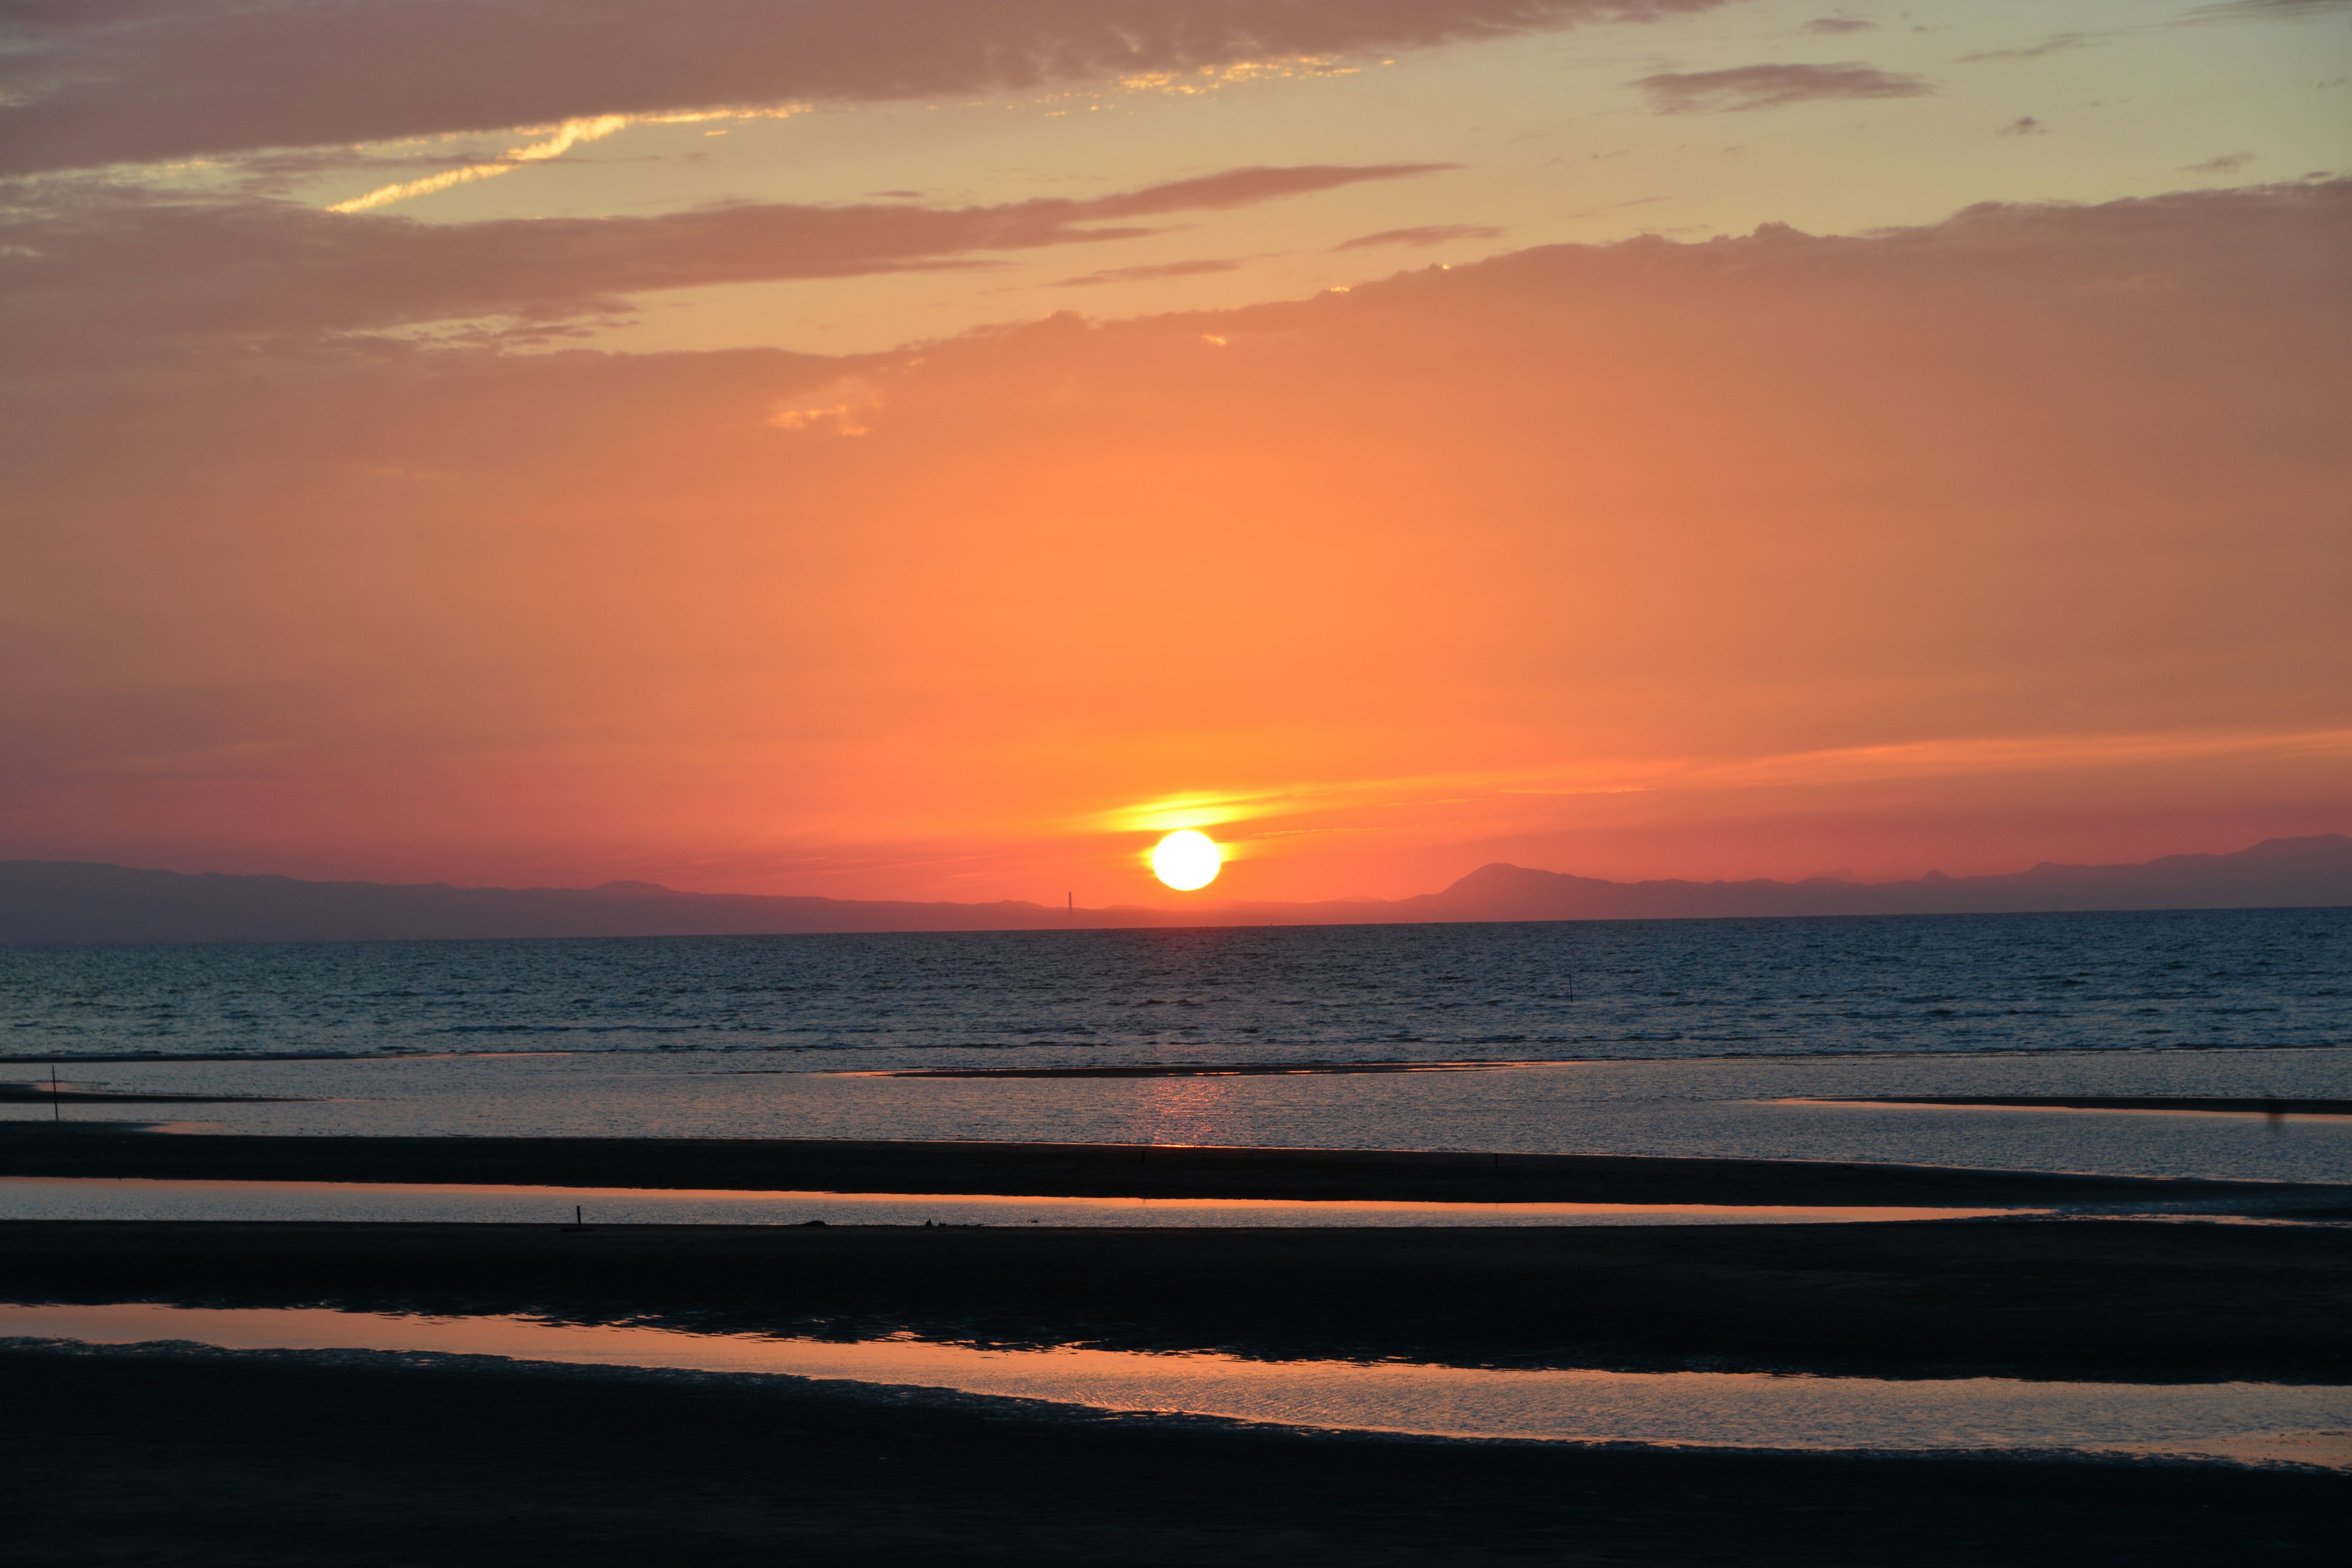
x: 1186, y: 860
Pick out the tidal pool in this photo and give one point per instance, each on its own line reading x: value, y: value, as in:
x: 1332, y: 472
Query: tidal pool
x: 2229, y: 1422
x: 131, y: 1198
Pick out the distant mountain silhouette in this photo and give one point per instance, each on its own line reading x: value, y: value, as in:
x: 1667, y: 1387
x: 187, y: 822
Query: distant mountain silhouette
x: 2276, y: 873
x: 64, y: 902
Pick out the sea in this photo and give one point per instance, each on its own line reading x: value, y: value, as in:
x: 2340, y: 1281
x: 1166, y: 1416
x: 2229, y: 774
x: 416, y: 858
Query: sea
x: 1749, y: 1038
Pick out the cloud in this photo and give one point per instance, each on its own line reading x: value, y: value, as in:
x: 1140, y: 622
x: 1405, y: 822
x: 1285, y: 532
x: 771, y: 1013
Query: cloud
x: 2056, y: 44
x: 566, y: 137
x: 2024, y: 125
x: 1240, y: 187
x: 2227, y: 164
x: 89, y: 82
x: 92, y: 264
x: 1772, y: 87
x: 1147, y: 273
x: 2268, y: 10
x: 1834, y: 25
x: 1433, y: 234
x: 844, y: 407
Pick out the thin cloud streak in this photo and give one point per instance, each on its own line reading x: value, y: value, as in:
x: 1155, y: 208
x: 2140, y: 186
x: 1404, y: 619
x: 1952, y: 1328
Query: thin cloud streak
x: 1433, y: 233
x: 2269, y: 10
x: 1263, y: 812
x: 1747, y: 88
x: 568, y: 135
x: 1150, y: 272
x: 1971, y: 756
x: 2058, y: 43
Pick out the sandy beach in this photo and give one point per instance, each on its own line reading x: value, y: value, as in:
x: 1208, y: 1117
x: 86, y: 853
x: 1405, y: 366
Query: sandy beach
x: 205, y: 1456
x: 257, y: 1459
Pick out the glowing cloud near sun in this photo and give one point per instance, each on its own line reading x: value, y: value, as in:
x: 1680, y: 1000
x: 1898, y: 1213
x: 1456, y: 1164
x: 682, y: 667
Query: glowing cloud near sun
x: 1187, y: 860
x: 561, y: 140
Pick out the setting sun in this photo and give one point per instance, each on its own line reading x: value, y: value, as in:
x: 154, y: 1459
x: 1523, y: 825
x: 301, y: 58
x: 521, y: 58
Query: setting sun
x: 1186, y: 860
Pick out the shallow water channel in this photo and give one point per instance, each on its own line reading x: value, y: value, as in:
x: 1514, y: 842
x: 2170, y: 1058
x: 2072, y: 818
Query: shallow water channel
x: 2237, y: 1422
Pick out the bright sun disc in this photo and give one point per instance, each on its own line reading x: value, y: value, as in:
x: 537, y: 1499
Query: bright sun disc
x: 1186, y: 860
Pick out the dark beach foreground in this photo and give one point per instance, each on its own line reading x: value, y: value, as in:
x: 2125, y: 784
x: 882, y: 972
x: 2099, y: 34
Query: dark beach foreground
x: 205, y: 1456
x: 2115, y: 1299
x: 120, y: 1457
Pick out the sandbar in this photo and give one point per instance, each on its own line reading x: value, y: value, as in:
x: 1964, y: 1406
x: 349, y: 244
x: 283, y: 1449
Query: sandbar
x: 1095, y: 1170
x: 263, y: 1458
x: 2129, y: 1300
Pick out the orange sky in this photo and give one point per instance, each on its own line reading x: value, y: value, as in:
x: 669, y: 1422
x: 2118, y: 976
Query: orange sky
x: 747, y: 529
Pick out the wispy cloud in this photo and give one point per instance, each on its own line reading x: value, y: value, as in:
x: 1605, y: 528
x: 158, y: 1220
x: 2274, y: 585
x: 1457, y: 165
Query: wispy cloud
x: 1973, y: 756
x: 1288, y: 808
x: 844, y: 407
x: 1148, y: 273
x: 2227, y: 164
x: 1271, y: 810
x: 1772, y: 87
x: 1288, y: 818
x: 1240, y: 187
x: 1430, y: 235
x: 94, y: 264
x: 2267, y: 10
x: 2058, y: 43
x: 566, y: 137
x: 1208, y: 78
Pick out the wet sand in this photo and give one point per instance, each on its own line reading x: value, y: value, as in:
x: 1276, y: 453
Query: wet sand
x: 42, y: 1094
x: 2193, y: 1104
x: 1085, y: 1170
x: 118, y: 1456
x: 2078, y: 1300
x: 1207, y: 1069
x: 122, y: 1456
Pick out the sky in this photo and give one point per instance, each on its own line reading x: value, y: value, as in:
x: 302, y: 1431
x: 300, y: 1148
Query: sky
x: 931, y: 449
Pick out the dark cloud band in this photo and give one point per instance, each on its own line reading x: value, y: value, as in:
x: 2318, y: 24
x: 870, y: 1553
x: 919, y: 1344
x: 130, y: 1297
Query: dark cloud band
x: 94, y: 264
x: 85, y: 83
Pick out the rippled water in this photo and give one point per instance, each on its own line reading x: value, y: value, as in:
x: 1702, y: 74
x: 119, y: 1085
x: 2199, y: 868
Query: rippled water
x: 1646, y: 988
x: 1661, y: 1038
x: 2261, y: 1421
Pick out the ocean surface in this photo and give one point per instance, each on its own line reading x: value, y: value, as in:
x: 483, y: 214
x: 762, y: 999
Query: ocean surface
x: 1665, y: 1036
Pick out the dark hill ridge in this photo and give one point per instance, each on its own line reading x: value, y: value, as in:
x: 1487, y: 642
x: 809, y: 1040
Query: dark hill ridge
x: 2276, y: 873
x: 63, y: 902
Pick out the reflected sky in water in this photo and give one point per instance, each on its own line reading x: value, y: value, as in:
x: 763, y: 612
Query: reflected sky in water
x: 130, y: 1198
x: 2245, y: 1422
x: 1699, y: 1107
